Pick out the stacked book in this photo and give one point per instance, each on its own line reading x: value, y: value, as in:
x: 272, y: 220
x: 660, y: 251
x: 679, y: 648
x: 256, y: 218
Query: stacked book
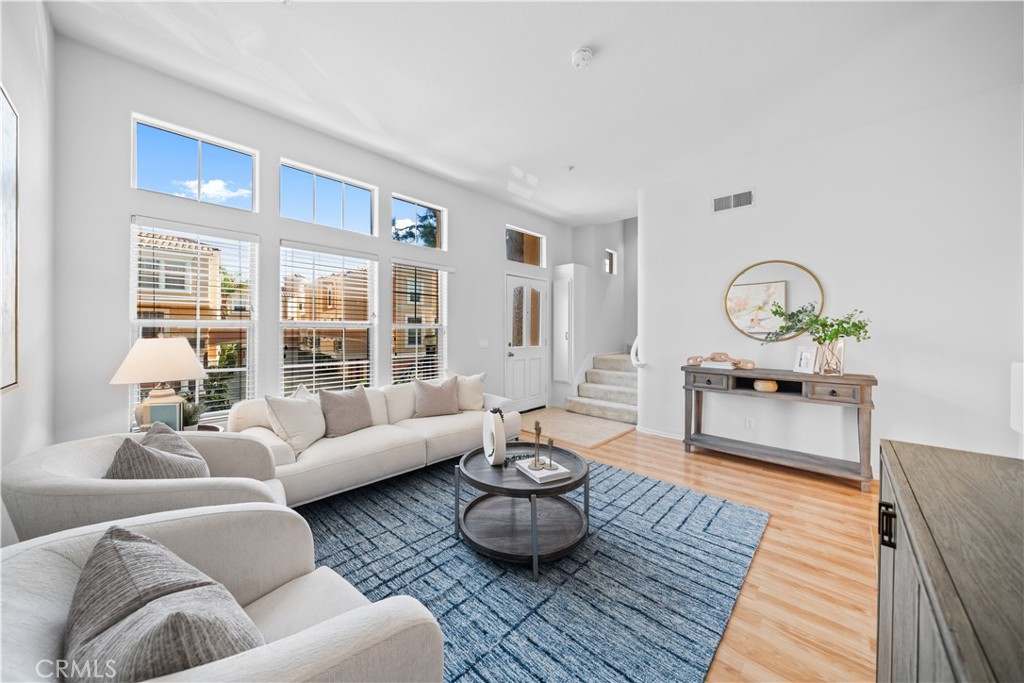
x: 545, y: 475
x: 719, y: 364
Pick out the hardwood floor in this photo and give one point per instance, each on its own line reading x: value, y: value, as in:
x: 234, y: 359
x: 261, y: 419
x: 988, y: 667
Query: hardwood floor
x: 807, y: 608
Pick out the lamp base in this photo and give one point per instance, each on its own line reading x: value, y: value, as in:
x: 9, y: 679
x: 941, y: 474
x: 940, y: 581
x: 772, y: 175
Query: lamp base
x: 161, y: 405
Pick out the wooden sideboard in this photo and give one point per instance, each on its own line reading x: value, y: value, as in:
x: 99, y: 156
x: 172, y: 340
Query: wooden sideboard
x: 850, y: 391
x: 950, y: 565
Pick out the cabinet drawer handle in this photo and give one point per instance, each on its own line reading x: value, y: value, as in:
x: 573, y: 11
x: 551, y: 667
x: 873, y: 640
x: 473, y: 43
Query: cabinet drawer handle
x: 833, y: 393
x: 886, y: 526
x: 707, y: 381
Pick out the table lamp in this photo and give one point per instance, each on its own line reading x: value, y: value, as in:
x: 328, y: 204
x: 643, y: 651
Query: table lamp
x: 163, y: 360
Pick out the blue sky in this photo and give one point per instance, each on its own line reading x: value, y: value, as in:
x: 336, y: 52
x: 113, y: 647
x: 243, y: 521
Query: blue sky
x: 169, y: 163
x: 325, y: 201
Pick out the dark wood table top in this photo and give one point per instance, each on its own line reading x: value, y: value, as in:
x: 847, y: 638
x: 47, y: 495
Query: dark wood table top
x: 509, y: 481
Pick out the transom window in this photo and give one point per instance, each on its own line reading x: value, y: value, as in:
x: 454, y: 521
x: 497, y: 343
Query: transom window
x: 191, y: 166
x: 418, y: 323
x: 195, y: 284
x: 416, y: 223
x: 611, y: 262
x: 328, y: 320
x: 315, y: 197
x: 522, y: 246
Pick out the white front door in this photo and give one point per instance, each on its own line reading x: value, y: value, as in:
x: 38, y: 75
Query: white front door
x: 526, y: 342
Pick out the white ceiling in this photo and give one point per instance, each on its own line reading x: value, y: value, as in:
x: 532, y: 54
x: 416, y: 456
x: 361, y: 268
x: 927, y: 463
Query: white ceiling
x: 484, y: 93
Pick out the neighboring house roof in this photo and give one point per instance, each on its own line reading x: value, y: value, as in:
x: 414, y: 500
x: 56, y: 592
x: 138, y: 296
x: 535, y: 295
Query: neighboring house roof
x: 158, y: 240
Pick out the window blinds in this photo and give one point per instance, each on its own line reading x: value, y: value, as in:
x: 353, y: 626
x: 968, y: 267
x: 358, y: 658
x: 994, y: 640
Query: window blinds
x: 328, y: 303
x: 419, y: 318
x: 200, y: 286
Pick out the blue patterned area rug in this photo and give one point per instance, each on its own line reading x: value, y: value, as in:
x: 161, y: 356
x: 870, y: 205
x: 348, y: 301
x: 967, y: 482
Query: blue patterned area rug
x: 645, y: 598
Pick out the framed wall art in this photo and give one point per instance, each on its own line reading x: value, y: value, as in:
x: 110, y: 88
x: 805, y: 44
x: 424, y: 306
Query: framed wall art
x: 8, y: 241
x: 749, y: 306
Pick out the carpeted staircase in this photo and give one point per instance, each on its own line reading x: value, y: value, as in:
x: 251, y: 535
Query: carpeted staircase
x: 610, y: 390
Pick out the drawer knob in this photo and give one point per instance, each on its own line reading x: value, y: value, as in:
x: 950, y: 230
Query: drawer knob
x: 707, y: 381
x: 833, y: 392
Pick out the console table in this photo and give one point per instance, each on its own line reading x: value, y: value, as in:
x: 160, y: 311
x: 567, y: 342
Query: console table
x: 841, y: 391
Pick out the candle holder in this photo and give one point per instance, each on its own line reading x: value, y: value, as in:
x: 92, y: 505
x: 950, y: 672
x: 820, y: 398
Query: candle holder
x: 551, y: 453
x: 536, y: 464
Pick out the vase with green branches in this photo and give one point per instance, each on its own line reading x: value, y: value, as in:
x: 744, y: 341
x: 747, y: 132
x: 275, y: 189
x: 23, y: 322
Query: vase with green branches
x: 827, y: 332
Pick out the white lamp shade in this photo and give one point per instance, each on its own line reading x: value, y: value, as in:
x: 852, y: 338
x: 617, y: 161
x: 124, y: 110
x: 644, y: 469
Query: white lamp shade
x: 159, y: 360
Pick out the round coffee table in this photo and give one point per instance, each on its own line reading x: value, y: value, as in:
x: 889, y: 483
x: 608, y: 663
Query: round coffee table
x: 517, y: 519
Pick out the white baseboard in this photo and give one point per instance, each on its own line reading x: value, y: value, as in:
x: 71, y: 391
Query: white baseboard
x: 655, y: 432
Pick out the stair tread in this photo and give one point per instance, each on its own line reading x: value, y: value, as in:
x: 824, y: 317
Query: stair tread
x: 615, y: 387
x: 600, y: 402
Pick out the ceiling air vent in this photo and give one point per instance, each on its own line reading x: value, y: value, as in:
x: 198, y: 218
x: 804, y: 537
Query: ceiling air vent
x: 734, y: 201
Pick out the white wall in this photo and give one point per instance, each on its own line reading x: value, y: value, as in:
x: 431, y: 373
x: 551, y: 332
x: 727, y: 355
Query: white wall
x: 917, y: 221
x: 629, y: 272
x: 26, y: 70
x: 98, y: 93
x: 609, y: 317
x: 606, y: 330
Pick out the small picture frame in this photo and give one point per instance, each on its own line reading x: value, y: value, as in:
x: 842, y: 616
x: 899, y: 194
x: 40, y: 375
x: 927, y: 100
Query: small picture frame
x: 805, y: 358
x: 168, y: 413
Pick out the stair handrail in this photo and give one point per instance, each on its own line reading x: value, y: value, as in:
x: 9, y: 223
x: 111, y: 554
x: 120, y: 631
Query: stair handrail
x: 634, y: 354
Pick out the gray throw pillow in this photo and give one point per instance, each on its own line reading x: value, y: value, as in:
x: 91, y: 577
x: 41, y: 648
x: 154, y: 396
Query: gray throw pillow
x: 161, y: 454
x: 432, y: 400
x: 150, y: 613
x: 345, y: 411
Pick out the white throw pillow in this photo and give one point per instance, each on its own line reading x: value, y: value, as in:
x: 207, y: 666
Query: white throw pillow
x: 298, y: 420
x: 471, y: 390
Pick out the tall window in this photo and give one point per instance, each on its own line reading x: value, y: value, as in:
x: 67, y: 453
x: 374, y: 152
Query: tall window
x: 189, y: 166
x: 522, y: 246
x: 415, y: 223
x: 418, y: 321
x: 327, y: 320
x: 318, y: 198
x: 200, y: 286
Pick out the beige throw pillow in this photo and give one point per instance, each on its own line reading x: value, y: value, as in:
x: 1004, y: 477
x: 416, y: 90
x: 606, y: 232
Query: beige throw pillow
x: 345, y: 411
x: 433, y: 400
x: 161, y: 454
x: 298, y: 420
x: 471, y: 391
x: 149, y: 613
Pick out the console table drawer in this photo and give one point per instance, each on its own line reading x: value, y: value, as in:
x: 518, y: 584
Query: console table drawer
x: 840, y: 393
x: 710, y: 381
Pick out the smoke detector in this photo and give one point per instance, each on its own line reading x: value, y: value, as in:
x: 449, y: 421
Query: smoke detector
x: 581, y: 57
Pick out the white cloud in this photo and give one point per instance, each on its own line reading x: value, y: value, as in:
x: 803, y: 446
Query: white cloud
x: 215, y: 190
x: 403, y: 223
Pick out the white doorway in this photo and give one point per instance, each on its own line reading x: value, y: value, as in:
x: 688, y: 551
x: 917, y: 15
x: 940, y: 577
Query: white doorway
x: 526, y: 342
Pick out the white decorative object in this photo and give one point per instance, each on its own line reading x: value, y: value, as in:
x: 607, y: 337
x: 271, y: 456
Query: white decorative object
x: 494, y: 438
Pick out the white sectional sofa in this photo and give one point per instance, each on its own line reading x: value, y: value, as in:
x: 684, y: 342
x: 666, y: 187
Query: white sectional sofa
x: 396, y: 443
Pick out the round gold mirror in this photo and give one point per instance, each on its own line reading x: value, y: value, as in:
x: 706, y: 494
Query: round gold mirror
x: 750, y: 295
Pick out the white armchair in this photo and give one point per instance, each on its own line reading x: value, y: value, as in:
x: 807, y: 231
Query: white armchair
x: 62, y: 486
x: 318, y: 627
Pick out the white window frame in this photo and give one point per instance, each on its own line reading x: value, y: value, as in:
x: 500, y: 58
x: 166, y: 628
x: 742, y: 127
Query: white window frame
x: 543, y: 246
x: 330, y: 175
x: 199, y: 138
x: 138, y: 324
x: 311, y: 324
x: 442, y: 227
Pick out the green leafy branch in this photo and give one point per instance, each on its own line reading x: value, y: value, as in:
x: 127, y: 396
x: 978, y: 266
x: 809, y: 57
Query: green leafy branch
x: 820, y: 328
